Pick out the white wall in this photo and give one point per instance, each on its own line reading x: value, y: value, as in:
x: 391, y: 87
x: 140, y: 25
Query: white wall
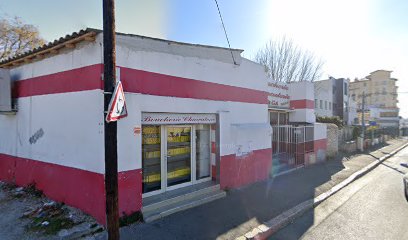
x: 71, y: 125
x: 85, y: 54
x: 301, y: 90
x: 193, y: 62
x: 302, y: 115
x: 323, y: 91
x: 71, y: 122
x: 201, y: 63
x: 129, y: 145
x: 320, y: 131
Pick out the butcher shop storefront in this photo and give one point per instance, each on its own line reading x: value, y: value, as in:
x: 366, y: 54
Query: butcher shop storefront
x: 176, y: 150
x: 196, y: 123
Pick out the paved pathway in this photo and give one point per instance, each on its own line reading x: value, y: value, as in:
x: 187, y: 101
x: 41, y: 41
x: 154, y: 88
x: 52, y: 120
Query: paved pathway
x: 372, y: 207
x: 245, y: 208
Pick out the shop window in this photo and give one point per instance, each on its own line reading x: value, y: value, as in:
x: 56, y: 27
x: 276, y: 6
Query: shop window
x: 151, y: 158
x: 283, y: 118
x: 178, y: 155
x: 203, y: 151
x: 274, y: 118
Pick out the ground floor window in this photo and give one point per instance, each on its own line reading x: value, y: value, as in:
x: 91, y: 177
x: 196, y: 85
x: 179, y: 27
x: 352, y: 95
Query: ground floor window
x: 278, y: 118
x: 151, y: 158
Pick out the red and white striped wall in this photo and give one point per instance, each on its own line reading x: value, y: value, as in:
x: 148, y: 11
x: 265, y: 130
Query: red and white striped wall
x: 320, y: 145
x: 56, y: 138
x: 302, y: 102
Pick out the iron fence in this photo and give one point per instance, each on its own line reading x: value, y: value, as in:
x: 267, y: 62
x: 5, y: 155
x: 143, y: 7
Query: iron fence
x: 291, y: 143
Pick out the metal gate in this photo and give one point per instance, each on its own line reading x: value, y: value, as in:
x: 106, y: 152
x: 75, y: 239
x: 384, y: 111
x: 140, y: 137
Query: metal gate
x: 291, y: 143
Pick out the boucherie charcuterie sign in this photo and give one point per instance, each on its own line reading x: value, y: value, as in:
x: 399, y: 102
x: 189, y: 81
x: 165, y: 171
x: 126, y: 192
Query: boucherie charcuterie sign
x: 278, y: 95
x: 177, y: 118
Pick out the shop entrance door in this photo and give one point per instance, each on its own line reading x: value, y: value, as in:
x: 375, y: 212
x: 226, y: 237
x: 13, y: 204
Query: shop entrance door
x: 175, y: 156
x: 178, y: 156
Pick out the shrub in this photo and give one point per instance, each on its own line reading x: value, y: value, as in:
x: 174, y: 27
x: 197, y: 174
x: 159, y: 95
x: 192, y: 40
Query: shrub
x: 335, y: 120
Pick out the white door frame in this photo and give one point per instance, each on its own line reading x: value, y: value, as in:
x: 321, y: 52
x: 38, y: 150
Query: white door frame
x: 164, y: 159
x: 193, y: 163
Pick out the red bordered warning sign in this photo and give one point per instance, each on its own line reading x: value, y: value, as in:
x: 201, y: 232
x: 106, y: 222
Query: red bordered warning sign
x: 117, y: 106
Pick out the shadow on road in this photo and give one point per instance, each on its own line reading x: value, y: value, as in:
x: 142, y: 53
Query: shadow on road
x: 247, y: 207
x: 333, y: 167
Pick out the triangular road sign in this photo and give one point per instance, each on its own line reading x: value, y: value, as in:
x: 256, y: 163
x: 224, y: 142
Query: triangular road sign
x: 117, y: 105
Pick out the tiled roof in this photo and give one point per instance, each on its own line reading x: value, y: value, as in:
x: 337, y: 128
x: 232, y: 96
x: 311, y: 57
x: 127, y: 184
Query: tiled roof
x: 68, y: 41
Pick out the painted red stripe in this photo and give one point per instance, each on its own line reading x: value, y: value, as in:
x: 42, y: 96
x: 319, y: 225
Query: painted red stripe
x: 239, y: 171
x: 213, y: 147
x: 320, y: 144
x: 80, y: 79
x: 75, y: 187
x: 130, y: 191
x: 139, y: 81
x: 301, y: 104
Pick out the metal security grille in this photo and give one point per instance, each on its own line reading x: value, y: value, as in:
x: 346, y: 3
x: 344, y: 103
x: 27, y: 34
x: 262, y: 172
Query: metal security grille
x: 291, y: 143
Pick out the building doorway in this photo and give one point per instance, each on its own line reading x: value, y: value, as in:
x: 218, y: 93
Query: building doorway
x: 175, y: 156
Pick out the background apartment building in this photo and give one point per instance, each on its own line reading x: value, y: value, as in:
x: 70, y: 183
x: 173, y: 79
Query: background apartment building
x: 381, y: 98
x: 332, y: 98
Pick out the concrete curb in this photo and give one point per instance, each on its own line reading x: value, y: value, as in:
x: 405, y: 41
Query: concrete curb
x: 265, y: 230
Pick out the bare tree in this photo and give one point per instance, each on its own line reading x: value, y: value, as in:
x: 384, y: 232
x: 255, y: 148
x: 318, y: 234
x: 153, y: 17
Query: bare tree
x: 286, y: 62
x: 17, y: 37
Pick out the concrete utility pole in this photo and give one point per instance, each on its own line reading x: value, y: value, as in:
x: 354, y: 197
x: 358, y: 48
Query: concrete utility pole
x: 111, y: 153
x: 363, y: 121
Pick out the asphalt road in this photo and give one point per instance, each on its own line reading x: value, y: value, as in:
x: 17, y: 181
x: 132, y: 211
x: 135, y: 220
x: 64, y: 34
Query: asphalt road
x: 372, y: 207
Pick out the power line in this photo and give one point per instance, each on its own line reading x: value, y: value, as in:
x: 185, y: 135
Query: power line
x: 225, y: 31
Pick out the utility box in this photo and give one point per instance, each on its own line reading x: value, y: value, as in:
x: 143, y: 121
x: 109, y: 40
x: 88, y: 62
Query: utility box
x: 5, y: 91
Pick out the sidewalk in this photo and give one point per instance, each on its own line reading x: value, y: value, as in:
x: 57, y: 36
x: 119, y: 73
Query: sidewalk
x: 245, y: 208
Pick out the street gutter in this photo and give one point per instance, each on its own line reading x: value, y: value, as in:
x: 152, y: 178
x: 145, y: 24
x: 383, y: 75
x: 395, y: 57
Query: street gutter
x: 273, y: 225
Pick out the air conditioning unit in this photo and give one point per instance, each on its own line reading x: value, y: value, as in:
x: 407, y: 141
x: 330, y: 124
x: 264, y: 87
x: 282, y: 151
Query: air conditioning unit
x: 6, y: 101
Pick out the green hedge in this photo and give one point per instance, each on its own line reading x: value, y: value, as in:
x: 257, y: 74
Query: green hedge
x: 335, y: 120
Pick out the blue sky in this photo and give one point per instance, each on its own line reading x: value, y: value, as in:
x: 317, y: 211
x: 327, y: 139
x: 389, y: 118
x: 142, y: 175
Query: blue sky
x: 353, y: 37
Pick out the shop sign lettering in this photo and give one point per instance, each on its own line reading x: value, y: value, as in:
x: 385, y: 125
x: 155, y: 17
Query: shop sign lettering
x: 168, y: 118
x: 278, y: 95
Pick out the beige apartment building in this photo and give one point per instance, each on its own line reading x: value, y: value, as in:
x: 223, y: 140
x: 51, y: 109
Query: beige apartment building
x: 380, y: 90
x: 381, y: 98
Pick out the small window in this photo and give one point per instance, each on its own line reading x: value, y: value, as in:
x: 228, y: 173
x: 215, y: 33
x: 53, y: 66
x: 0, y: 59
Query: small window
x: 321, y: 104
x: 315, y: 103
x: 330, y: 106
x: 325, y: 105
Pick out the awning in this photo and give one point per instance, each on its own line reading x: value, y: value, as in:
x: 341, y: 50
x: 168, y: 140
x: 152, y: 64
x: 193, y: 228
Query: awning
x: 281, y: 109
